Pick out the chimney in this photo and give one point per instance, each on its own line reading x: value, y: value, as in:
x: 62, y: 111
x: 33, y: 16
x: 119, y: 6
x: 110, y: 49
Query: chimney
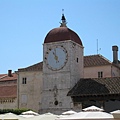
x: 115, y: 54
x: 10, y: 73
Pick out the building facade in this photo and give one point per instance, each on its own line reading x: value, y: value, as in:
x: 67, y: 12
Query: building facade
x: 97, y: 66
x: 29, y: 87
x: 8, y: 90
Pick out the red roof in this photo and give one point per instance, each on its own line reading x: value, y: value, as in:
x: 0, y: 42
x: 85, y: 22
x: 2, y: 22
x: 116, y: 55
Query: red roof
x: 35, y: 67
x: 95, y: 60
x: 5, y: 77
x: 62, y: 34
x: 8, y: 85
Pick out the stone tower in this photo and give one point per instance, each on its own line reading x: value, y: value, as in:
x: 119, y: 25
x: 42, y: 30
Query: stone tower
x: 62, y: 67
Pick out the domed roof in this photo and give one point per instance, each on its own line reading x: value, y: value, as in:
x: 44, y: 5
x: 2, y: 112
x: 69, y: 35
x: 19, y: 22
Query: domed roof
x: 62, y: 33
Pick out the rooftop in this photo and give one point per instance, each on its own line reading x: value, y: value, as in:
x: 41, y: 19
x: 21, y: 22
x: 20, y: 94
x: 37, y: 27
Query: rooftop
x: 96, y: 86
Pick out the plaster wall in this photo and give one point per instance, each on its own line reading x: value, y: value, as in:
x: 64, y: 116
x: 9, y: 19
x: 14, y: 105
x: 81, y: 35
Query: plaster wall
x: 92, y: 72
x: 115, y: 71
x: 8, y: 105
x: 29, y: 94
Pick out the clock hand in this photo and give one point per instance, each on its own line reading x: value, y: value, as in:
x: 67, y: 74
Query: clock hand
x: 55, y: 56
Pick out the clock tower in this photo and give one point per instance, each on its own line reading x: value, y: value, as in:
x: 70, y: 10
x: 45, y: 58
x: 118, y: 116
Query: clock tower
x: 62, y: 68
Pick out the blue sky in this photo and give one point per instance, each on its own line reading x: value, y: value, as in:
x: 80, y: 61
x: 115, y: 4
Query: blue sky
x: 25, y: 23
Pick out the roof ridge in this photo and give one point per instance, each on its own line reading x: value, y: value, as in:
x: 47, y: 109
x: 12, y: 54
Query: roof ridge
x: 91, y: 55
x: 96, y: 60
x: 32, y: 65
x: 98, y: 55
x: 37, y: 66
x: 3, y: 76
x: 105, y: 58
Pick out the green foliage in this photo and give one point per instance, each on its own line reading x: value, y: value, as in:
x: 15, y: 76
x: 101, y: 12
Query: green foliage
x: 15, y: 111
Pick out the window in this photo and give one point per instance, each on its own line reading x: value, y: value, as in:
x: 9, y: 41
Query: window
x: 56, y: 102
x: 100, y: 74
x: 24, y: 98
x: 24, y: 80
x: 77, y: 60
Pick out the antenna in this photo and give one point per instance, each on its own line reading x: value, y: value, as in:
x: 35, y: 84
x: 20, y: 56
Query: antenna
x: 97, y: 47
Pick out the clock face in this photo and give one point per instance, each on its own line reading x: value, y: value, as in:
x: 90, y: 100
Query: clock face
x: 56, y: 58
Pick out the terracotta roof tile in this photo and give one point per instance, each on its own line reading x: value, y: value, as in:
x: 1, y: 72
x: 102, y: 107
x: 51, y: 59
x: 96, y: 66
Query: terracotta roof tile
x: 5, y: 77
x: 96, y: 86
x: 2, y: 75
x: 95, y: 60
x: 35, y: 67
x: 8, y: 91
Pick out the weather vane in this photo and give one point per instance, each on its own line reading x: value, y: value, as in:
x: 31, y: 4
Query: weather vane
x: 62, y: 11
x: 63, y: 23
